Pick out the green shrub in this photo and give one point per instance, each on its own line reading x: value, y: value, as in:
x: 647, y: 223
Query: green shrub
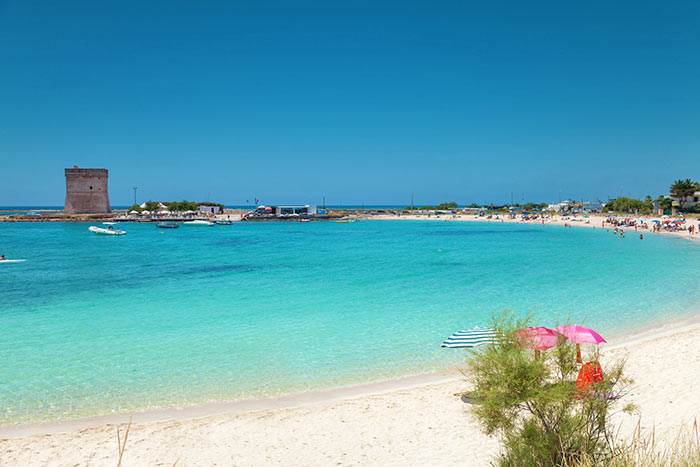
x: 534, y: 406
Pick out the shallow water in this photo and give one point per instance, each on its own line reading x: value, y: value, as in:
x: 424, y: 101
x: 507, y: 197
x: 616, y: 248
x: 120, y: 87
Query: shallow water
x: 94, y: 325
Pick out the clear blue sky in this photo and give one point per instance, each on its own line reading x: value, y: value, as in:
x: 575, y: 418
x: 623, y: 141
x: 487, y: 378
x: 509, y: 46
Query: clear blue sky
x: 360, y: 101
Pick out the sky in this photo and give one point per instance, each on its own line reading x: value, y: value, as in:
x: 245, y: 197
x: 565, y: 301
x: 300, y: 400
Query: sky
x: 355, y: 101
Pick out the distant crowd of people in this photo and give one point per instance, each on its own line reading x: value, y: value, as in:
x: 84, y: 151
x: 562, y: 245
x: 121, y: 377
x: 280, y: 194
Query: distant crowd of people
x: 666, y: 225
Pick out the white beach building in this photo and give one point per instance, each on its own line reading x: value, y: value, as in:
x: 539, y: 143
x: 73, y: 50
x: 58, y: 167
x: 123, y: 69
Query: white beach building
x: 209, y: 209
x: 690, y: 201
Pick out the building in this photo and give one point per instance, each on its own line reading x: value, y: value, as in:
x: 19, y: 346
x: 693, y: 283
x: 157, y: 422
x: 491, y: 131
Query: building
x: 282, y: 211
x: 592, y: 206
x: 690, y: 201
x: 563, y: 206
x: 86, y: 191
x: 209, y: 209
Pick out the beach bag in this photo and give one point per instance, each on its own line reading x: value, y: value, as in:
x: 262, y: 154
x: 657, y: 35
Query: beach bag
x: 590, y: 374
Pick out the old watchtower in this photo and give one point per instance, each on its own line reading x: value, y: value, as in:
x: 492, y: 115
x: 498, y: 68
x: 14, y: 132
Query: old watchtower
x: 86, y: 191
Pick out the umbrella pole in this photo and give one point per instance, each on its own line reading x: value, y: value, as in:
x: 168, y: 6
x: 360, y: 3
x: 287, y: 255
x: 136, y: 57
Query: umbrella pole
x: 578, y: 354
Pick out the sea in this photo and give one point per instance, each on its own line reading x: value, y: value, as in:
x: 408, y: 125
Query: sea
x: 93, y: 325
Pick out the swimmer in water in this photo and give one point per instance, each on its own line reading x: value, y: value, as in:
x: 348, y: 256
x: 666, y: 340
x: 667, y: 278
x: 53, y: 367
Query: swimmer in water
x: 641, y: 236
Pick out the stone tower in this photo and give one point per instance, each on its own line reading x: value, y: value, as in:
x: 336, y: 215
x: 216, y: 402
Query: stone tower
x: 86, y: 191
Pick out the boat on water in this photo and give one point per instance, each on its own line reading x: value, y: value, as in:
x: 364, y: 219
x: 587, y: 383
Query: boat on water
x: 223, y: 222
x: 167, y: 225
x: 3, y: 261
x: 109, y: 230
x: 198, y: 223
x: 342, y: 222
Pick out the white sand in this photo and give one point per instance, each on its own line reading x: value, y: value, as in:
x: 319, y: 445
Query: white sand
x: 594, y: 221
x: 420, y: 425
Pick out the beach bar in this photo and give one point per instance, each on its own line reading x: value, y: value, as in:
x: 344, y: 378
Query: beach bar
x: 281, y: 212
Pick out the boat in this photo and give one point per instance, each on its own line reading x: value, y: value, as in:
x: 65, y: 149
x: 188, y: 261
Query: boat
x: 198, y: 223
x: 167, y: 225
x: 223, y: 222
x: 109, y: 230
x: 12, y: 261
x: 304, y: 220
x: 342, y: 222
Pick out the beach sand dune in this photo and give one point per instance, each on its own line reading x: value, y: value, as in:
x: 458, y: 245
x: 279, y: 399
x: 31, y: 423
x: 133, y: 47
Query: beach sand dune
x: 425, y: 425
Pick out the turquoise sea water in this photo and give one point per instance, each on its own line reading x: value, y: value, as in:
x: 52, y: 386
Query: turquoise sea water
x: 94, y: 325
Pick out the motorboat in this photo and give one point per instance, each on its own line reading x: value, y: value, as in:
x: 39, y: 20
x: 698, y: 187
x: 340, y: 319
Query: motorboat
x: 108, y: 230
x: 167, y: 225
x: 198, y: 223
x: 223, y: 222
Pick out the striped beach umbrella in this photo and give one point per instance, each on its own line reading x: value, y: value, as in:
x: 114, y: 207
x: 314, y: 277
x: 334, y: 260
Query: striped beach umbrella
x: 470, y: 338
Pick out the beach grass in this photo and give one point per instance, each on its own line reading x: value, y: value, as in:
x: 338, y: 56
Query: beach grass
x: 647, y: 451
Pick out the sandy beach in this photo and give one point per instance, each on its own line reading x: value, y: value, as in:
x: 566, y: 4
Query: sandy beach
x: 594, y: 221
x: 421, y: 423
x: 415, y: 420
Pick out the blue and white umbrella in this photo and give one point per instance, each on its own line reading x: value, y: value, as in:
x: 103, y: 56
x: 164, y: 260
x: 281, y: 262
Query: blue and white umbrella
x: 470, y: 338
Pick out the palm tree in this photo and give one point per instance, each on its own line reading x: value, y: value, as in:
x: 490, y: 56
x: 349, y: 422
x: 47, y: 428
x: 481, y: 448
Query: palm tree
x: 681, y: 189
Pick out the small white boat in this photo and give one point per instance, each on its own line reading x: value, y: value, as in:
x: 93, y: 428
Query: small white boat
x: 198, y: 223
x: 109, y: 230
x: 3, y: 261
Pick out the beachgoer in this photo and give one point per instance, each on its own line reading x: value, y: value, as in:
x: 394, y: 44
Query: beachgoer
x: 2, y: 257
x: 641, y: 236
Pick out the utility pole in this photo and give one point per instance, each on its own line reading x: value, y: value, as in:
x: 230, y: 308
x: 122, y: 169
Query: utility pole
x: 135, y: 188
x: 324, y: 202
x: 411, y: 201
x: 511, y: 198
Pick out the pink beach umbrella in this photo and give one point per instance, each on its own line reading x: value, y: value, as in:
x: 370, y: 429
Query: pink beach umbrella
x: 537, y: 337
x: 580, y: 335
